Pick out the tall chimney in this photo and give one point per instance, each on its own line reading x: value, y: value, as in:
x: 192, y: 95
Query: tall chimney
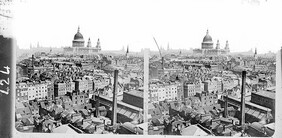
x: 114, y: 104
x: 226, y: 106
x: 32, y: 61
x: 97, y: 104
x: 243, y: 101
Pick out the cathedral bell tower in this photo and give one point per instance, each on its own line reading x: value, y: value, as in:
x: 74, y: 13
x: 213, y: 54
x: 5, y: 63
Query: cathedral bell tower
x: 98, y: 46
x: 89, y: 43
x: 227, y: 47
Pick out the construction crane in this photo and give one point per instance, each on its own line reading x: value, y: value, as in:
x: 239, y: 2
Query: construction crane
x: 158, y: 47
x: 160, y: 53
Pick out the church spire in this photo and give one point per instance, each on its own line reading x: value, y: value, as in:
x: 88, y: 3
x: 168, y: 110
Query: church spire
x: 255, y: 55
x: 127, y: 51
x: 78, y: 29
x: 127, y: 56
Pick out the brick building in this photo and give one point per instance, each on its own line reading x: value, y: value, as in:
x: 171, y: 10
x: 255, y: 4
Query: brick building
x: 210, y: 85
x: 21, y: 91
x: 134, y: 98
x: 189, y: 89
x: 207, y: 99
x: 160, y: 92
x: 80, y: 98
x: 82, y: 85
x: 265, y: 99
x: 59, y: 89
x: 50, y: 90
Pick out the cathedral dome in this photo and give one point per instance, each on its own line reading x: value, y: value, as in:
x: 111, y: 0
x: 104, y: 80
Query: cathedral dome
x: 207, y: 38
x: 78, y: 35
x: 78, y: 40
x: 207, y: 42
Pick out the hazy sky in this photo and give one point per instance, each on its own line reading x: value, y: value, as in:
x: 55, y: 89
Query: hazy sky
x: 181, y: 23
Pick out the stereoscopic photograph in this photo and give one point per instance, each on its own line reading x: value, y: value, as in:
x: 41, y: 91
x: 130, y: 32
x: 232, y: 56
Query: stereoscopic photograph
x: 128, y: 67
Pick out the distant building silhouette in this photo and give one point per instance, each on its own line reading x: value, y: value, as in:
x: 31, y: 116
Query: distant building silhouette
x: 78, y: 45
x: 207, y: 47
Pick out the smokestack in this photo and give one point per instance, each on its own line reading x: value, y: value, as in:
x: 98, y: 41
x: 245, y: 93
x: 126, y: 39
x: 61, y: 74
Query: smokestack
x: 243, y: 101
x: 114, y: 104
x: 226, y: 106
x: 32, y: 60
x: 97, y: 104
x: 254, y: 68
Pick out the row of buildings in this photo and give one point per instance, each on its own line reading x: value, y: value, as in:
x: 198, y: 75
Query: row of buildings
x: 47, y: 89
x: 179, y: 90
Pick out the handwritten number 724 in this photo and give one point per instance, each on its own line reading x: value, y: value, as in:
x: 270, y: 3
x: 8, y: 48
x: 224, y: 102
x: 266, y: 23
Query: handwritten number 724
x: 7, y: 72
